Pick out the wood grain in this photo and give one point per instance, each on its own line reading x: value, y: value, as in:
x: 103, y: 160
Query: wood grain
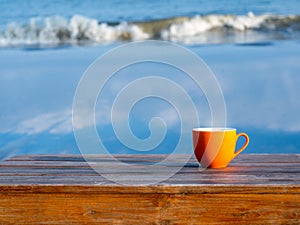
x: 63, y: 189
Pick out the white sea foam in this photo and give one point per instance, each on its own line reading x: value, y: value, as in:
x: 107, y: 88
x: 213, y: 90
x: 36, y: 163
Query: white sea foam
x: 202, y: 24
x: 232, y: 28
x: 58, y: 30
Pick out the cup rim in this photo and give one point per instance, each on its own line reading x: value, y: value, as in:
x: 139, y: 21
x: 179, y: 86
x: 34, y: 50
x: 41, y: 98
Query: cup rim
x: 213, y: 129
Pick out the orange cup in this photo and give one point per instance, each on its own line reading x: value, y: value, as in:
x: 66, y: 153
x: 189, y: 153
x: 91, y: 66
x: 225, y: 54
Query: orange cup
x: 215, y: 147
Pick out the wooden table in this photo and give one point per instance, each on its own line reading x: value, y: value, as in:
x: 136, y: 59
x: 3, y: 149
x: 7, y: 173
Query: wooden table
x: 63, y: 189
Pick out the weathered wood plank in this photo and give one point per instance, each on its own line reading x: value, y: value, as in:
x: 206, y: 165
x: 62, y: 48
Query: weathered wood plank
x: 52, y: 169
x: 54, y: 189
x: 135, y: 208
x: 226, y: 180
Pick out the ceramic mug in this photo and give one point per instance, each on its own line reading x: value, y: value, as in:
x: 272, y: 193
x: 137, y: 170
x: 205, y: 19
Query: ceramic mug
x: 215, y: 147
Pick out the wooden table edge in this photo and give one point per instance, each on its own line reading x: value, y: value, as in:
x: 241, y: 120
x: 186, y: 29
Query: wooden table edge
x: 152, y: 189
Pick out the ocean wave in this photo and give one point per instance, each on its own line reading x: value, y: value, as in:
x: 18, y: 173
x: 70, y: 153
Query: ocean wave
x: 57, y: 30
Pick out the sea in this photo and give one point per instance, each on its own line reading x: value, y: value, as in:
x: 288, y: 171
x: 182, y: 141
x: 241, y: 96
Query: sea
x: 46, y: 47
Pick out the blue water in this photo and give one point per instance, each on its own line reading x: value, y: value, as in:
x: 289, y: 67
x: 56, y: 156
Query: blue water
x: 130, y: 10
x: 258, y: 76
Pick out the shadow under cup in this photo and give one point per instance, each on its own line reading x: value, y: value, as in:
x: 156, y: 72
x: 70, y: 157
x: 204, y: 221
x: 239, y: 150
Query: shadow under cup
x: 215, y: 147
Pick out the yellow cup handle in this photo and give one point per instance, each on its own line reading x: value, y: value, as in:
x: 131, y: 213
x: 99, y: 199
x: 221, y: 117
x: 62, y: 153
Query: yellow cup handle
x: 245, y: 144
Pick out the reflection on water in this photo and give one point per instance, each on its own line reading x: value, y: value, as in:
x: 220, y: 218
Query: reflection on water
x: 260, y: 85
